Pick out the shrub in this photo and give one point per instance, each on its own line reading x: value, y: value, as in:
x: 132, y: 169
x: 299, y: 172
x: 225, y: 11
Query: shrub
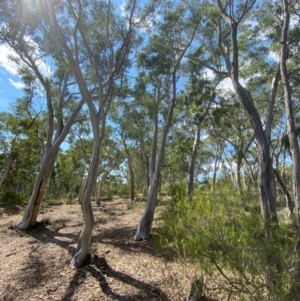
x: 12, y: 198
x: 177, y: 191
x: 227, y: 244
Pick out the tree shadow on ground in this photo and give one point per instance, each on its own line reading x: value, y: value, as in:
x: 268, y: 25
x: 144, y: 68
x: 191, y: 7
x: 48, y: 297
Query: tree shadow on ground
x: 99, y: 269
x: 109, y: 209
x: 45, y: 235
x: 123, y: 239
x: 10, y: 209
x: 34, y: 272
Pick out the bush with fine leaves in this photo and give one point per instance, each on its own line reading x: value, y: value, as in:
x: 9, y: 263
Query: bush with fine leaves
x: 227, y: 244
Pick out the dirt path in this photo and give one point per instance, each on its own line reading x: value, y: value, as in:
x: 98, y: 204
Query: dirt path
x: 35, y: 263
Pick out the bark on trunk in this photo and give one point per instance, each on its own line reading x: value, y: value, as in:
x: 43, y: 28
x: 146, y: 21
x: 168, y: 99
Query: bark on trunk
x: 267, y: 188
x: 144, y: 228
x: 6, y: 172
x: 294, y: 293
x: 82, y: 249
x: 290, y: 203
x: 98, y: 194
x: 238, y: 171
x: 215, y: 170
x: 191, y: 168
x: 270, y: 112
x: 291, y: 128
x: 31, y: 211
x: 153, y: 150
x: 266, y: 185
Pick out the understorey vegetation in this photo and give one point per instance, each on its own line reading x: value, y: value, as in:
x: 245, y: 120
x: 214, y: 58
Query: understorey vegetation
x: 222, y: 236
x: 190, y: 107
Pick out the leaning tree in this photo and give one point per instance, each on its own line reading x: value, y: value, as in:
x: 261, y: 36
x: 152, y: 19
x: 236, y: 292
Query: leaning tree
x: 22, y: 31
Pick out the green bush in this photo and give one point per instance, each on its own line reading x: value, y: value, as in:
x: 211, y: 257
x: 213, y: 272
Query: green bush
x: 177, y: 191
x: 12, y: 198
x: 227, y: 244
x: 116, y: 189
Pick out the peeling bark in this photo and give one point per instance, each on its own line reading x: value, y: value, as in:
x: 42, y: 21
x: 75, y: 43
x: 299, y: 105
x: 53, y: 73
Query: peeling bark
x: 31, y: 211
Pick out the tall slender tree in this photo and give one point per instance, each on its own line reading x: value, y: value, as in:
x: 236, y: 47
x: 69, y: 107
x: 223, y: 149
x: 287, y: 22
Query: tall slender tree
x: 162, y: 61
x: 96, y: 44
x: 21, y: 32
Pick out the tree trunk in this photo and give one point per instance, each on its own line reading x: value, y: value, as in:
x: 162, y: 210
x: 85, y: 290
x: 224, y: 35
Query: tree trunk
x: 98, y: 194
x: 82, y: 249
x: 31, y: 211
x: 131, y: 173
x: 215, y: 170
x: 6, y: 172
x: 144, y: 228
x: 290, y: 203
x: 267, y: 188
x: 294, y: 293
x: 266, y: 185
x: 238, y: 171
x: 191, y: 168
x: 153, y: 150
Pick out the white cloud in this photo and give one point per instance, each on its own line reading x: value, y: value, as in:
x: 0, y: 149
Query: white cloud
x: 17, y: 85
x: 273, y: 56
x: 208, y: 74
x: 12, y: 68
x: 204, y: 136
x: 5, y: 62
x: 225, y: 86
x: 294, y: 21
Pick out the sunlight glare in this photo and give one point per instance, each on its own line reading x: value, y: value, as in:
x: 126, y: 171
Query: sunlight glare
x: 30, y: 6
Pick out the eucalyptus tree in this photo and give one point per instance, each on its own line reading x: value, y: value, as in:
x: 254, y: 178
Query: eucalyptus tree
x: 291, y: 131
x: 19, y: 157
x: 96, y: 44
x: 129, y: 164
x: 132, y: 126
x: 222, y: 31
x: 111, y: 158
x: 160, y: 63
x: 7, y: 145
x: 229, y: 123
x: 21, y: 32
x: 200, y: 95
x: 67, y: 175
x: 288, y: 97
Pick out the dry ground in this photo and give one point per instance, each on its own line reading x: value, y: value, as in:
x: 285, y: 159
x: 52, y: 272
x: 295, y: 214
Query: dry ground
x: 35, y: 263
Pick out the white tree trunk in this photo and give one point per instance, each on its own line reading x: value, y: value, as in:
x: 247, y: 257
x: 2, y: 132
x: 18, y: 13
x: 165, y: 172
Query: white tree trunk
x: 144, y: 228
x: 294, y: 293
x: 82, y: 249
x: 267, y: 188
x: 98, y: 194
x: 6, y: 172
x: 31, y: 211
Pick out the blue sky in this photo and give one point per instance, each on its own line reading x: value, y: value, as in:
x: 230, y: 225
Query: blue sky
x: 10, y: 85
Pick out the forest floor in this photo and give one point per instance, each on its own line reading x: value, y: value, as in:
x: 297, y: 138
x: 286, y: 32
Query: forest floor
x: 35, y: 263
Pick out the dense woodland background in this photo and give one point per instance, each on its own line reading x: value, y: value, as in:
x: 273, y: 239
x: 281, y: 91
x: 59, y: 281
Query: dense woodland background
x: 196, y: 102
